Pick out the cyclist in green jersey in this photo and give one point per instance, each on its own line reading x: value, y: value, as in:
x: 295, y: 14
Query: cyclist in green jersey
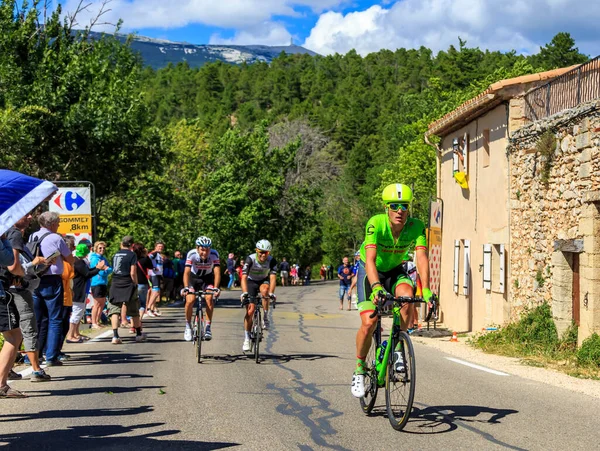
x: 388, y: 239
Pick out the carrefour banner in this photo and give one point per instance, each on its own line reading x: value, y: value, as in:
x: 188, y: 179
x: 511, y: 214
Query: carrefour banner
x: 72, y: 201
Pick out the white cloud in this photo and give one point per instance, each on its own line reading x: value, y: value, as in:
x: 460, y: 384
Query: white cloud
x: 248, y: 17
x: 268, y: 33
x: 522, y: 25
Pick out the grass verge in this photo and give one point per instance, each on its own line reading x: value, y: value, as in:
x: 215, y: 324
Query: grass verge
x: 535, y: 340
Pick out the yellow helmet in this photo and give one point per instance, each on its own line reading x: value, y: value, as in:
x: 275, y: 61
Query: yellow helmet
x: 397, y: 192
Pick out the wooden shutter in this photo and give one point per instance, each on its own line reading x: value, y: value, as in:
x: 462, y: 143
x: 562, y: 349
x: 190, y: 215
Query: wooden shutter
x: 466, y: 267
x: 456, y: 255
x: 502, y: 269
x: 487, y: 266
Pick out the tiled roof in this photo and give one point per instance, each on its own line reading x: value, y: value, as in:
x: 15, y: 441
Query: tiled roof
x: 471, y: 106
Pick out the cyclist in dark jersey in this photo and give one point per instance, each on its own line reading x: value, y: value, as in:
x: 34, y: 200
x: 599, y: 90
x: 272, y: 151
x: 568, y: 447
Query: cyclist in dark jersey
x: 388, y: 239
x: 202, y: 270
x: 259, y: 275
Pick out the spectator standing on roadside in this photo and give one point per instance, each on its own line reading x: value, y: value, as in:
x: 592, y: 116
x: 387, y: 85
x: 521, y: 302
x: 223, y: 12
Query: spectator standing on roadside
x: 330, y: 272
x: 67, y: 278
x: 143, y: 265
x: 323, y: 272
x: 238, y: 270
x: 231, y: 270
x: 123, y: 290
x: 48, y: 297
x: 179, y: 265
x: 22, y: 290
x: 354, y: 273
x: 83, y: 273
x: 99, y: 282
x: 168, y: 277
x: 9, y: 323
x: 307, y: 275
x: 155, y: 274
x: 345, y: 276
x: 294, y: 275
x: 284, y: 268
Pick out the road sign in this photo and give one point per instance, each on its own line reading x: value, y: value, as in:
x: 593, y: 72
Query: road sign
x: 71, y: 201
x: 72, y: 224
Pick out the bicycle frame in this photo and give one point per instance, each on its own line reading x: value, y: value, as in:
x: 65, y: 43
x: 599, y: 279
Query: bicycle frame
x: 396, y: 322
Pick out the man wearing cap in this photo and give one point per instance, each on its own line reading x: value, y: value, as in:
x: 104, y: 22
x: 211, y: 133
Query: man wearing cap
x: 123, y: 291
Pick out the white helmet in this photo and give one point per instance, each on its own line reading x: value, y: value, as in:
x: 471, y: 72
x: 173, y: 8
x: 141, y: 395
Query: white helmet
x: 203, y: 241
x: 264, y: 245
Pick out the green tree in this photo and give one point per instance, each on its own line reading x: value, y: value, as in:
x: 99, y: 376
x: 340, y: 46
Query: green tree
x: 559, y: 52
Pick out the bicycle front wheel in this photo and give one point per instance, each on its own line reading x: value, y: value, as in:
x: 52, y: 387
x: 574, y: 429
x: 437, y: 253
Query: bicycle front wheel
x: 368, y: 401
x: 400, y: 381
x: 257, y: 334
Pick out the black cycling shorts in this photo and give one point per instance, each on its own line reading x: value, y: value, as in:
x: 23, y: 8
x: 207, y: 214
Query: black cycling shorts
x: 99, y: 291
x: 200, y: 283
x: 254, y: 286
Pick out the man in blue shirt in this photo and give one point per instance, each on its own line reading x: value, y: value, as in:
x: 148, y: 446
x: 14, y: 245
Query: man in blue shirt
x: 345, y: 276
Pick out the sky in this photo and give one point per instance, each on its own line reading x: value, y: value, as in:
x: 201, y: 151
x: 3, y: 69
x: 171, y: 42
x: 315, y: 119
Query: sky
x: 338, y: 26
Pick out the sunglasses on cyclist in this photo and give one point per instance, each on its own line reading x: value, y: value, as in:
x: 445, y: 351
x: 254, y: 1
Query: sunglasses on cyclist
x: 395, y: 206
x: 262, y: 252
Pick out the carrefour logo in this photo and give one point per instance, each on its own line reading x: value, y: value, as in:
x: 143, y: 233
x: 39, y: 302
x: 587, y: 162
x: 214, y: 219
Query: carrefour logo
x: 69, y: 201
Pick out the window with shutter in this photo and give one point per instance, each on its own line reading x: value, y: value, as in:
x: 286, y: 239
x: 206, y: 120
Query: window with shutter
x: 487, y: 266
x: 456, y: 256
x: 466, y: 267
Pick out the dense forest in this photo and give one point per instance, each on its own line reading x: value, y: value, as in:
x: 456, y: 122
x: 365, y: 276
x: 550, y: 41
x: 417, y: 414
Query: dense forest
x: 295, y: 151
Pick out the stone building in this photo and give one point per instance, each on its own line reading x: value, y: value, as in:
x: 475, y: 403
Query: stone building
x: 519, y: 177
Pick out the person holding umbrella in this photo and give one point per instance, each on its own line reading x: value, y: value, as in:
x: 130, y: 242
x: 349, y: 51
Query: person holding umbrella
x: 19, y: 194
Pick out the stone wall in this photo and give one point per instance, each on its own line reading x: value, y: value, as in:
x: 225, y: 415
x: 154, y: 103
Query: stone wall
x: 545, y: 216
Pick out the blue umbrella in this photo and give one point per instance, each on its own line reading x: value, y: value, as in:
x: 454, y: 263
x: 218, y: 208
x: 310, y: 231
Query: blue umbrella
x: 19, y: 194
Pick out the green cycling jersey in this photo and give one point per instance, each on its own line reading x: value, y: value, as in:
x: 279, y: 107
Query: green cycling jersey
x: 391, y: 253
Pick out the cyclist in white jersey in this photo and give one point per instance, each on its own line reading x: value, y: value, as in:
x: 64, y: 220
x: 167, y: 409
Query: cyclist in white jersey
x: 259, y: 275
x: 202, y: 270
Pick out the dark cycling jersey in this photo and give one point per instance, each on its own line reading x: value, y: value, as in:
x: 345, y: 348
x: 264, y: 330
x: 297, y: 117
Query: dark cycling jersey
x: 258, y: 271
x: 199, y: 267
x: 391, y: 253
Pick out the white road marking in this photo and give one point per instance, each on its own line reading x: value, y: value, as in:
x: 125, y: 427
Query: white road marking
x: 108, y: 333
x: 477, y: 367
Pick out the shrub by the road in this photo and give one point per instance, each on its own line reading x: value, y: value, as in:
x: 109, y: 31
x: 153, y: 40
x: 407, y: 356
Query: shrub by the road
x: 589, y: 353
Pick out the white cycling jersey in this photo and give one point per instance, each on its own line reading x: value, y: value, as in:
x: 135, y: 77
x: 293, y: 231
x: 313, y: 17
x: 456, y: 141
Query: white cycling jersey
x: 257, y: 271
x: 201, y: 267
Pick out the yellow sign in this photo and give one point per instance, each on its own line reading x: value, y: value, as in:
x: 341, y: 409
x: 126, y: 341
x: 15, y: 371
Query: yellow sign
x: 70, y: 224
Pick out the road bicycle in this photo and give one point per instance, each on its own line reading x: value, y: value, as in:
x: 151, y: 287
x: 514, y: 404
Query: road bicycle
x: 256, y: 330
x: 199, y: 322
x: 391, y: 364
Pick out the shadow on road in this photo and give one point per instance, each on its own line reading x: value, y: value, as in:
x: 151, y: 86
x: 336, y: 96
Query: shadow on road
x: 110, y: 358
x: 265, y: 358
x: 92, y: 390
x: 105, y: 437
x: 55, y: 414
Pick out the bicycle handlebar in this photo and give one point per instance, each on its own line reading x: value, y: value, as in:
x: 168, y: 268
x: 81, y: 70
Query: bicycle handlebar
x: 202, y: 292
x: 403, y: 300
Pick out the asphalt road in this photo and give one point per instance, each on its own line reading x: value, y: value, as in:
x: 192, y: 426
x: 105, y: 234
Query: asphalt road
x: 154, y: 395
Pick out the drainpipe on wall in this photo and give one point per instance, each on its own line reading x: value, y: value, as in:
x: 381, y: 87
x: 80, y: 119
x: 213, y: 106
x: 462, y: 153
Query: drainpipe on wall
x: 507, y: 283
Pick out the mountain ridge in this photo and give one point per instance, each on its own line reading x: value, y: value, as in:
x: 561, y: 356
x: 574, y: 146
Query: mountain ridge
x: 158, y: 53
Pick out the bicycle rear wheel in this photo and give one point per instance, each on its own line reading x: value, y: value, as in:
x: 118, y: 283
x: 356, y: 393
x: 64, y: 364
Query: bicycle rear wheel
x: 200, y: 334
x: 257, y: 327
x: 368, y: 401
x: 400, y: 385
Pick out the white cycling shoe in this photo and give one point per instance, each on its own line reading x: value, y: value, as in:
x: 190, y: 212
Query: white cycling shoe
x: 358, y: 385
x: 187, y: 335
x: 246, y: 345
